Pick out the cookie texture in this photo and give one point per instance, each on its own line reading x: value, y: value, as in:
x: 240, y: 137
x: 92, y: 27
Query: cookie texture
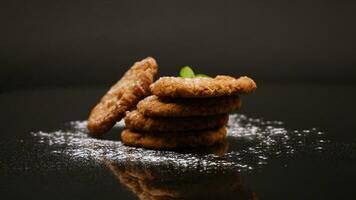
x: 135, y: 120
x: 154, y: 106
x: 122, y: 96
x: 202, y: 87
x: 173, y: 140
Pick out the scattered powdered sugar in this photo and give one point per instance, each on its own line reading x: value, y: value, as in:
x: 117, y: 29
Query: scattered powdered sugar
x: 251, y: 143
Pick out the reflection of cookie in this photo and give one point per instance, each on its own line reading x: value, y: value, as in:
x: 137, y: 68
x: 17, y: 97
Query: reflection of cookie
x: 134, y: 120
x: 173, y: 140
x: 139, y: 183
x: 154, y: 106
x: 158, y: 183
x: 175, y: 87
x: 122, y: 96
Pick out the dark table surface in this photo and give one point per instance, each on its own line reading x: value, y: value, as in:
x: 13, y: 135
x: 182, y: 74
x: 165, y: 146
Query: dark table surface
x: 31, y: 168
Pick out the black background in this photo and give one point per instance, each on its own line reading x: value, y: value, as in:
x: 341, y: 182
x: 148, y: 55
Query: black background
x: 57, y: 58
x: 71, y: 43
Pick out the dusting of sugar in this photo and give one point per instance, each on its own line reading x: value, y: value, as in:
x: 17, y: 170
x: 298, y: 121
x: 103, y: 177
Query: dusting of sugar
x: 252, y: 142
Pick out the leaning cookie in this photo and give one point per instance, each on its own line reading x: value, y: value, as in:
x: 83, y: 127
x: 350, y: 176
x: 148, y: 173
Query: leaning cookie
x: 173, y: 140
x: 134, y: 120
x: 202, y: 87
x: 122, y: 96
x: 154, y: 106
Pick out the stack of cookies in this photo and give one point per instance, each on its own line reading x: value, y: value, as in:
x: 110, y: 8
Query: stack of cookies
x: 185, y: 112
x: 179, y: 113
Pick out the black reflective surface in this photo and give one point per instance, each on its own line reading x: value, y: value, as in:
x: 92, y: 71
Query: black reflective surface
x: 30, y: 169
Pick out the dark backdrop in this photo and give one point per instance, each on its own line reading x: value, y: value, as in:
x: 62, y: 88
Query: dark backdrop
x: 70, y: 43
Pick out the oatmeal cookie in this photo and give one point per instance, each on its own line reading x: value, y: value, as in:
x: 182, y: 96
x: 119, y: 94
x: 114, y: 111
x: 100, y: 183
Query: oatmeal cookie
x: 122, y: 96
x: 202, y: 87
x: 134, y: 120
x: 154, y: 106
x: 173, y: 140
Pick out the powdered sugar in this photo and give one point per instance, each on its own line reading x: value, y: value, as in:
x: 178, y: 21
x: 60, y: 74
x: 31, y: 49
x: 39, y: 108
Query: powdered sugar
x: 252, y: 142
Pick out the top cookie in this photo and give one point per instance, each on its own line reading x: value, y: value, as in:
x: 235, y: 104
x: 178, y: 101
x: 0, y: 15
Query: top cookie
x: 122, y: 96
x: 202, y: 87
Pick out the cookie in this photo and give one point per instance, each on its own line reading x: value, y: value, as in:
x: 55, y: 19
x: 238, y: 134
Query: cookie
x: 134, y: 120
x: 154, y: 106
x: 122, y: 96
x: 173, y: 140
x: 202, y: 87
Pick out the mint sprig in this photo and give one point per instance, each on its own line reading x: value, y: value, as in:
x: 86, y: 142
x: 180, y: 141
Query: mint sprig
x: 187, y: 72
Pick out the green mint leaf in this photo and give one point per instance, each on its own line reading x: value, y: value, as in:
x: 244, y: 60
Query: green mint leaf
x: 201, y: 75
x: 186, y: 72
